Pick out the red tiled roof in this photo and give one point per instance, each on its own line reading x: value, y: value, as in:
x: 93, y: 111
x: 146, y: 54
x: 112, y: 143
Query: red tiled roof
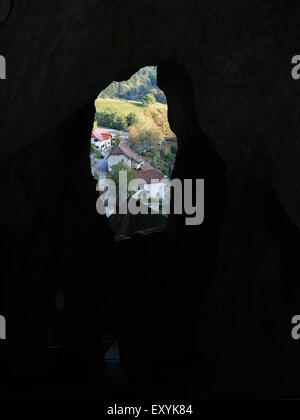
x: 101, y: 134
x: 146, y: 166
x: 148, y: 173
x: 106, y: 136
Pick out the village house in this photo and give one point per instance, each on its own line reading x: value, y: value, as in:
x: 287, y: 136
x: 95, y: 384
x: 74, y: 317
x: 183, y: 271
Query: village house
x: 151, y: 178
x: 123, y: 153
x: 101, y: 139
x: 152, y: 185
x: 114, y: 133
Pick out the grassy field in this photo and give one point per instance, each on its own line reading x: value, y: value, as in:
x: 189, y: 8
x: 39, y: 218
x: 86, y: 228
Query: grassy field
x: 123, y: 107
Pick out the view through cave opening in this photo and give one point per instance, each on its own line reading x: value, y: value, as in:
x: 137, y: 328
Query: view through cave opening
x: 132, y: 136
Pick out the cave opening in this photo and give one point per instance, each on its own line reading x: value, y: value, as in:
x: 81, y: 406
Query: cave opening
x: 131, y: 137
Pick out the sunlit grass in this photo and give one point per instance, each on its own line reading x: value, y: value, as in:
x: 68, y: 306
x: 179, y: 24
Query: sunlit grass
x: 123, y: 107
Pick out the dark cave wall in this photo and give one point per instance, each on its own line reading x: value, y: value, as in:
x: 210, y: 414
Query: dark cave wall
x: 246, y: 346
x: 237, y: 55
x: 196, y: 159
x: 225, y: 67
x: 55, y: 245
x: 246, y: 290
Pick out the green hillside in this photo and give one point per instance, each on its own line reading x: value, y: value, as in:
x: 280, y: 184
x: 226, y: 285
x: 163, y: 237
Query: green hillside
x: 139, y: 85
x: 123, y: 108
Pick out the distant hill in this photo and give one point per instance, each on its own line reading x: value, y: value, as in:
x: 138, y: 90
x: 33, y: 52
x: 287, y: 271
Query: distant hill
x: 139, y: 85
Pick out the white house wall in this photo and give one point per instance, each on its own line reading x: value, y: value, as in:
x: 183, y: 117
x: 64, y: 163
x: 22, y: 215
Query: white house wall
x: 155, y: 189
x: 115, y: 159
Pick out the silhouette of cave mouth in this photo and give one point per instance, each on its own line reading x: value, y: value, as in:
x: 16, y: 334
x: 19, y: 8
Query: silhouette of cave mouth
x: 163, y: 279
x: 131, y: 133
x: 137, y: 298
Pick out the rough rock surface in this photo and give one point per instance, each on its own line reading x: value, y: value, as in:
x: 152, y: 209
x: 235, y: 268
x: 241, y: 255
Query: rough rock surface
x: 5, y: 9
x: 237, y: 54
x: 225, y: 67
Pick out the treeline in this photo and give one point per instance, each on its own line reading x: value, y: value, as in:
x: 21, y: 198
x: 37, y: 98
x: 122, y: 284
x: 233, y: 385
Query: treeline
x: 147, y: 138
x: 155, y: 118
x: 115, y: 121
x: 140, y: 84
x: 147, y: 142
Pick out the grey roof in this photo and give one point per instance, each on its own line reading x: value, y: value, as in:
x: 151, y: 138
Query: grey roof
x: 101, y: 166
x: 122, y: 149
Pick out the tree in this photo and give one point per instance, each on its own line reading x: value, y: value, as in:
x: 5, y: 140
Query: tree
x: 105, y: 119
x: 95, y: 152
x: 148, y: 138
x: 120, y: 123
x: 160, y: 118
x: 131, y: 119
x: 155, y: 156
x: 114, y: 176
x: 118, y: 138
x: 148, y: 100
x: 143, y: 138
x: 174, y: 149
x: 134, y: 139
x: 140, y: 84
x: 165, y: 171
x: 111, y: 120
